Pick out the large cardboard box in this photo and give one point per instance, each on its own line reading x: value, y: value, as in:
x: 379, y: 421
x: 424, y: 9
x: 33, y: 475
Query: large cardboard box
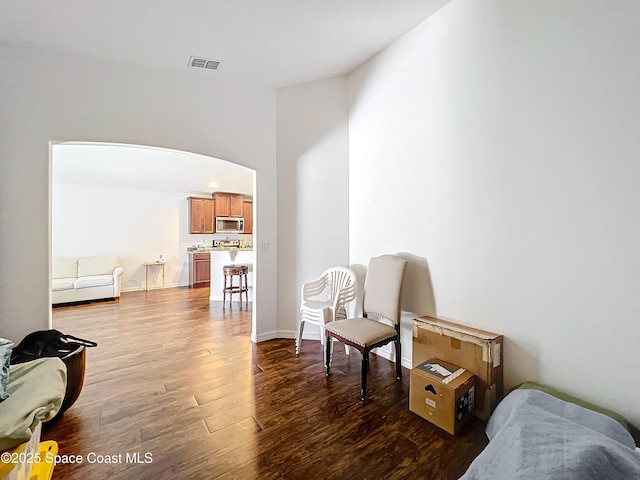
x: 473, y: 349
x: 444, y: 397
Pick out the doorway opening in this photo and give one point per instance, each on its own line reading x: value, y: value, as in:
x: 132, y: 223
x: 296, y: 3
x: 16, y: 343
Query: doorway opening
x: 131, y: 201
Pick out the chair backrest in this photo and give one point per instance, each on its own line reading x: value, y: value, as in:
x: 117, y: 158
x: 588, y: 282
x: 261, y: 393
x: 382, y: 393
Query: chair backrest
x: 343, y: 284
x: 383, y: 287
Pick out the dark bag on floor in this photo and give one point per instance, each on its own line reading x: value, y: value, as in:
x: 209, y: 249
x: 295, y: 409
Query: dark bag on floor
x: 47, y: 343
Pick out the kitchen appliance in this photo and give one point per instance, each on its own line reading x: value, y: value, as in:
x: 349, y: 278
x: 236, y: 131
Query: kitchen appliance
x: 229, y: 225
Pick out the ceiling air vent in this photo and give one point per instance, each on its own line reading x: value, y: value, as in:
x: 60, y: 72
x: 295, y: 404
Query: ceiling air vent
x: 207, y: 63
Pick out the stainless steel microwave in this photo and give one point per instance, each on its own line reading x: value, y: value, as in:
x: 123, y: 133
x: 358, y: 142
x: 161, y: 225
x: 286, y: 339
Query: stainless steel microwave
x: 229, y: 225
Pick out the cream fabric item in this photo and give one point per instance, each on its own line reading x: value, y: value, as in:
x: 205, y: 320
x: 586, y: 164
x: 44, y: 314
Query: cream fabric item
x: 93, y: 281
x: 383, y: 287
x: 361, y: 331
x: 36, y: 391
x: 64, y: 267
x: 58, y: 284
x: 94, y: 278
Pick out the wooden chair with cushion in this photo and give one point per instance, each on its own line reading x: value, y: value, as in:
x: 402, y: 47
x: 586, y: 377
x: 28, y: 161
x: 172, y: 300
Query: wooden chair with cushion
x: 380, y: 324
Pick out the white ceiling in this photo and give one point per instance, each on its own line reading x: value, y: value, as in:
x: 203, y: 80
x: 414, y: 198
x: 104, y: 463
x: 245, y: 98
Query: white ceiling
x: 147, y: 168
x: 274, y: 42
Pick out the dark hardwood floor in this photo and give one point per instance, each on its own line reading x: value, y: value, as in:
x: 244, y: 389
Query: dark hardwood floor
x: 176, y: 380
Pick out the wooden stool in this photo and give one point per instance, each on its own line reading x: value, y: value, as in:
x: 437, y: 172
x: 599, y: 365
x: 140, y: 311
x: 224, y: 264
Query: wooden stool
x: 229, y: 272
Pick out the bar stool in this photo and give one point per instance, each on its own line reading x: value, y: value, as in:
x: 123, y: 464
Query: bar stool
x: 229, y: 272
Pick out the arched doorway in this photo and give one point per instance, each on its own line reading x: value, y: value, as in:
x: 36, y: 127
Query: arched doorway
x: 131, y: 201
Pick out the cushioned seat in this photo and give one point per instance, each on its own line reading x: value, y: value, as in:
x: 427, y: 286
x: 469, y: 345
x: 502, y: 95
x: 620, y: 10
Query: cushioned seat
x: 381, y: 304
x: 362, y: 331
x: 93, y: 281
x: 58, y: 284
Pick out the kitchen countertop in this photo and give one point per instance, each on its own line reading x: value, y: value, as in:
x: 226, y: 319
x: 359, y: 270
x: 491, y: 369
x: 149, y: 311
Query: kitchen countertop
x: 221, y: 249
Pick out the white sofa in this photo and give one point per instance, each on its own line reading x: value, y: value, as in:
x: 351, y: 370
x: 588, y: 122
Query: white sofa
x: 85, y: 278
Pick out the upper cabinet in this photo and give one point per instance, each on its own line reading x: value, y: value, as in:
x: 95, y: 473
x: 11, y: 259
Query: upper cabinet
x: 229, y: 205
x: 248, y: 216
x: 203, y: 211
x: 202, y: 215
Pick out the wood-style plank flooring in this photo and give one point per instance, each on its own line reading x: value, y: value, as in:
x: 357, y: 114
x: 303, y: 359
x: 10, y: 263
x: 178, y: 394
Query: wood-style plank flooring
x: 176, y: 380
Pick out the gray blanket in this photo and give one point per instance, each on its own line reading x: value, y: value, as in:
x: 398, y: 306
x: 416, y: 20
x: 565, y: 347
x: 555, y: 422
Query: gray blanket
x: 534, y: 435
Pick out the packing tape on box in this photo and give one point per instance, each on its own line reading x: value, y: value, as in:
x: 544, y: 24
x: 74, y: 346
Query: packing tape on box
x: 454, y: 375
x: 462, y: 335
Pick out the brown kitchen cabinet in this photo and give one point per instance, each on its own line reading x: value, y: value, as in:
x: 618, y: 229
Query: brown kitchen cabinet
x: 229, y: 205
x: 248, y: 216
x: 202, y: 215
x: 200, y: 270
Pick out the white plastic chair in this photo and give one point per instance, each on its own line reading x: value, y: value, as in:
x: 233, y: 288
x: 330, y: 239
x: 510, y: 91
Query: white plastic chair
x: 340, y: 285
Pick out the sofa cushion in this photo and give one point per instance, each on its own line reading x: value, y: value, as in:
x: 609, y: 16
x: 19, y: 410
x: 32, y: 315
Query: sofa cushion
x: 64, y: 267
x: 93, y: 281
x: 62, y: 283
x: 101, y: 265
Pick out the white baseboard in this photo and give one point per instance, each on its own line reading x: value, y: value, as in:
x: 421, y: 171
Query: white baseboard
x: 143, y: 287
x: 288, y: 334
x: 266, y: 336
x: 388, y: 353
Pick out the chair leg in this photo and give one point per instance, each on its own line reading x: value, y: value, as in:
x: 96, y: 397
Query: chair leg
x: 322, y: 343
x: 365, y: 369
x: 398, y: 360
x: 327, y: 355
x: 323, y: 338
x: 224, y: 292
x: 299, y: 338
x: 327, y: 317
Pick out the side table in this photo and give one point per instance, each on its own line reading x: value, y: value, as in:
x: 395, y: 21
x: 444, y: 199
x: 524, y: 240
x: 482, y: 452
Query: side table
x: 146, y: 267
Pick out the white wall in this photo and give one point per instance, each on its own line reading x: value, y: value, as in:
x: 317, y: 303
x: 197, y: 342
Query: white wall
x: 136, y: 225
x: 79, y: 99
x: 498, y: 143
x: 312, y: 158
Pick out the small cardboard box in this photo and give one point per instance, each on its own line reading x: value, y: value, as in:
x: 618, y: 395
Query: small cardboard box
x: 473, y: 349
x: 444, y: 397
